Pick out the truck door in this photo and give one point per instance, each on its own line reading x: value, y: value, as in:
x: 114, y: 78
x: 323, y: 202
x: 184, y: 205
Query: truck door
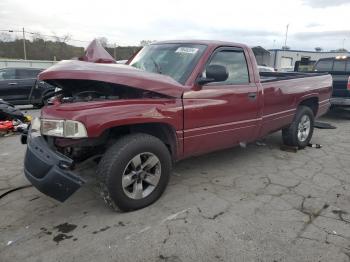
x: 7, y: 84
x: 222, y: 114
x: 25, y: 79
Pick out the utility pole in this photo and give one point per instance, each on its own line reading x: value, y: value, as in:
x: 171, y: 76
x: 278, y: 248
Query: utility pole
x: 24, y: 44
x: 115, y: 51
x: 285, y: 40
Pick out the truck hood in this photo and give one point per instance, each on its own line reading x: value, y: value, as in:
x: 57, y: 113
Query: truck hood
x: 97, y: 54
x: 113, y: 73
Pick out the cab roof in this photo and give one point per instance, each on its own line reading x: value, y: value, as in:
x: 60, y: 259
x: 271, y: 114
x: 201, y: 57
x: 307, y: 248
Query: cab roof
x: 211, y: 43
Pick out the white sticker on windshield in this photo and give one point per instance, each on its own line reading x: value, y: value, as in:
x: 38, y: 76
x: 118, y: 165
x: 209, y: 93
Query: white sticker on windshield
x: 187, y: 50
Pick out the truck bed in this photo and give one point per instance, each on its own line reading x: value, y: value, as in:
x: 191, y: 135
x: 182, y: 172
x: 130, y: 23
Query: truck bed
x: 278, y: 76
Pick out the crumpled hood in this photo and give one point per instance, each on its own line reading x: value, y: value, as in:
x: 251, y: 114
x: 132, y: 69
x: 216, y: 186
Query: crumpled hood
x: 97, y: 54
x: 114, y: 73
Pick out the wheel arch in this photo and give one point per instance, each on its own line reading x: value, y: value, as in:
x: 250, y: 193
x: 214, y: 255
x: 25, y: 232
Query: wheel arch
x: 163, y: 131
x: 311, y: 102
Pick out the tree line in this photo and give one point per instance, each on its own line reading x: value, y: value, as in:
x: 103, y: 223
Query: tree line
x: 43, y: 49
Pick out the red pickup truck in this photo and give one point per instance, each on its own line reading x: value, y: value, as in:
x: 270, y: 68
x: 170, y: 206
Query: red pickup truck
x: 172, y: 100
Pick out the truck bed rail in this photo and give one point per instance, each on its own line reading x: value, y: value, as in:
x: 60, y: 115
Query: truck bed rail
x: 278, y: 76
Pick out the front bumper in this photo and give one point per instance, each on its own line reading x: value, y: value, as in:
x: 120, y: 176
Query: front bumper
x: 340, y: 101
x: 49, y: 171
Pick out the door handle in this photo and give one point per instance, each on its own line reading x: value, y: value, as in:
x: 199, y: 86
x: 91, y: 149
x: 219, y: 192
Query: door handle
x: 252, y: 95
x: 12, y: 84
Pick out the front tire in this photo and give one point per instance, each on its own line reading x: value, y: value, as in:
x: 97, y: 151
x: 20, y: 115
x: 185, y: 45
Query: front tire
x: 299, y: 133
x: 134, y: 172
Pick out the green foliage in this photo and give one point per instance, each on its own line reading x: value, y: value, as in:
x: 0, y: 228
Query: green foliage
x: 123, y: 52
x: 40, y: 49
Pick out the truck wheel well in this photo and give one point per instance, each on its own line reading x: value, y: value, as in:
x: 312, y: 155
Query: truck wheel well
x: 164, y: 132
x: 311, y: 103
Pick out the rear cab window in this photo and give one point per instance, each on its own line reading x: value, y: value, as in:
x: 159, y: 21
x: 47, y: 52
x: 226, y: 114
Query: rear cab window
x: 339, y: 65
x: 324, y: 65
x: 333, y: 65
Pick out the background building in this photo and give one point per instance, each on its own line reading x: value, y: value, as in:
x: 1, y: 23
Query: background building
x: 284, y: 60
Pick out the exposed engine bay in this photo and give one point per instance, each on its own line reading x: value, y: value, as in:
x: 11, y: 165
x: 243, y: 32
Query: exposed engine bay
x: 72, y: 90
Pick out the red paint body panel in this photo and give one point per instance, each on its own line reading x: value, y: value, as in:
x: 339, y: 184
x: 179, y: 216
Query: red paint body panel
x: 204, y: 118
x: 100, y: 116
x: 281, y: 99
x: 219, y: 117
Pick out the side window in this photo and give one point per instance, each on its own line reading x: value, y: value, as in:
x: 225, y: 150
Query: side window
x: 339, y: 65
x: 7, y: 74
x: 26, y: 73
x: 235, y: 63
x: 324, y: 65
x: 36, y: 73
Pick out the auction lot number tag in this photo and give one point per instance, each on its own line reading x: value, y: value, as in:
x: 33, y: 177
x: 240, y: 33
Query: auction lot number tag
x: 186, y: 50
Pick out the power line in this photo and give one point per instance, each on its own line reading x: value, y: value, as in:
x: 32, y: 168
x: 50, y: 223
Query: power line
x: 34, y: 33
x: 67, y: 38
x: 60, y: 38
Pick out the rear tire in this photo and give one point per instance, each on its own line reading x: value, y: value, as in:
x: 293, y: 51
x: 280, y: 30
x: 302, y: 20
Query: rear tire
x: 299, y: 133
x: 134, y: 172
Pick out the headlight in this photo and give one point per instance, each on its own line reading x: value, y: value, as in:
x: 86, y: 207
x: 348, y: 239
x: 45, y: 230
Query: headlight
x: 74, y: 129
x: 63, y: 128
x: 52, y: 127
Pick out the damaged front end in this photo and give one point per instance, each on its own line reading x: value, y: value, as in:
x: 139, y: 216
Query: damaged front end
x: 59, y: 142
x: 77, y: 124
x: 74, y: 90
x: 48, y: 170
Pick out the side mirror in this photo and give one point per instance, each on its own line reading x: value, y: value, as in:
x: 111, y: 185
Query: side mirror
x: 214, y: 73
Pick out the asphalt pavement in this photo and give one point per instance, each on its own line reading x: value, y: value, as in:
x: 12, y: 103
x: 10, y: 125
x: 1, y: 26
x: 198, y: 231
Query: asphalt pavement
x: 243, y: 204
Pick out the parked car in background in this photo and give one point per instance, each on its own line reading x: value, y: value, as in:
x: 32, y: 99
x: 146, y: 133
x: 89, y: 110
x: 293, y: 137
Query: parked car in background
x: 173, y: 100
x: 339, y: 68
x: 19, y: 86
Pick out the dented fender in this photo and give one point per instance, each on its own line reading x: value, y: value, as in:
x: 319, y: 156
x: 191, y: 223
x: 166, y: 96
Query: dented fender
x: 101, y: 115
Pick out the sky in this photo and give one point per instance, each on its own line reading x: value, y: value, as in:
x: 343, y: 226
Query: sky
x: 312, y: 23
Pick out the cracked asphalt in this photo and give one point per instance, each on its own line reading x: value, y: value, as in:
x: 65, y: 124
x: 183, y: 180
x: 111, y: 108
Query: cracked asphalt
x: 243, y: 204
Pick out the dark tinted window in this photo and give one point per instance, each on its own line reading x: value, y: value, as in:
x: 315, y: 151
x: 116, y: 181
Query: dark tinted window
x: 348, y: 66
x: 26, y: 73
x: 7, y: 74
x: 235, y: 63
x: 339, y: 65
x: 324, y: 65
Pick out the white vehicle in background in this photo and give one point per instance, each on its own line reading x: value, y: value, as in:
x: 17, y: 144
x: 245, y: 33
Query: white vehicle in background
x: 265, y: 69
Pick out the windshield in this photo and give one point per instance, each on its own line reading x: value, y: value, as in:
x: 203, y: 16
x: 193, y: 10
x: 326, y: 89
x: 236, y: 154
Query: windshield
x: 174, y: 60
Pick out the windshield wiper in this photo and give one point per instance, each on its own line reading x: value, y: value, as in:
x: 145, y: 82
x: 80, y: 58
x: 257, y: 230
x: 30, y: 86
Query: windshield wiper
x: 157, y: 66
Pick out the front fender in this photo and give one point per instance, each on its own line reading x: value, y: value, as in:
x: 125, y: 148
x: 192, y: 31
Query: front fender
x: 99, y: 116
